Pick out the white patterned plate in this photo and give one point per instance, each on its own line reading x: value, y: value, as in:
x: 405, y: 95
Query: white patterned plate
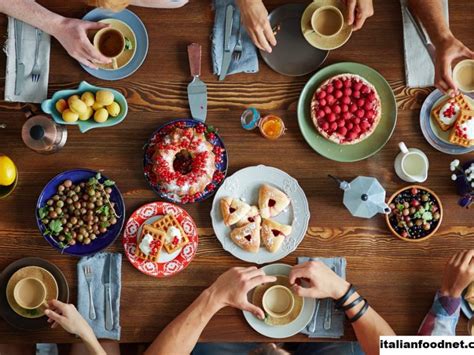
x: 167, y: 264
x: 287, y: 330
x: 244, y: 184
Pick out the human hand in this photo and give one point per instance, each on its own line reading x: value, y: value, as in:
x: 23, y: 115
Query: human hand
x: 72, y: 34
x: 254, y: 17
x: 324, y: 283
x: 231, y: 288
x: 357, y: 11
x: 67, y: 316
x: 458, y: 273
x: 448, y: 51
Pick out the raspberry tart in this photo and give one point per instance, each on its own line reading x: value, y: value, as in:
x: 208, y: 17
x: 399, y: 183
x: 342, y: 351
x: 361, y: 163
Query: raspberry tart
x: 185, y: 161
x: 346, y: 109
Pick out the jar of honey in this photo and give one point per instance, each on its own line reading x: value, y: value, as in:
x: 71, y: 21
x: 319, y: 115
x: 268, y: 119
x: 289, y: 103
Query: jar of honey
x: 271, y: 127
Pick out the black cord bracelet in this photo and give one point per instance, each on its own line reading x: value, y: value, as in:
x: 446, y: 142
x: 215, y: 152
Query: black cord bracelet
x: 339, y: 302
x: 353, y: 303
x: 361, y: 312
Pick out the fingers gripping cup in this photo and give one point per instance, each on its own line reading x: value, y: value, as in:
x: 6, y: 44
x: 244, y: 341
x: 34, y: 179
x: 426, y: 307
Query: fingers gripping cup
x: 30, y: 293
x: 278, y: 301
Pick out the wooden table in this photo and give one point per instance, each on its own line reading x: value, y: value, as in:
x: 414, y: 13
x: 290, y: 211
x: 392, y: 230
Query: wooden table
x: 398, y: 278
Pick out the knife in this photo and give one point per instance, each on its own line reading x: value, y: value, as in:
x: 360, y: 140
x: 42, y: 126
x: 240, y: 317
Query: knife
x: 106, y: 274
x: 227, y: 56
x: 20, y: 66
x: 421, y: 33
x: 197, y: 90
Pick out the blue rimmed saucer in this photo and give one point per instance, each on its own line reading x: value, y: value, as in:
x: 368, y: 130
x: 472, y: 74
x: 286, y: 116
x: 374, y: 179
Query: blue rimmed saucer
x: 433, y: 134
x: 221, y: 166
x: 141, y: 35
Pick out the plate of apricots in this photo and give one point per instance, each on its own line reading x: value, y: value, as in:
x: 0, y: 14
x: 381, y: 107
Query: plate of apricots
x: 88, y: 107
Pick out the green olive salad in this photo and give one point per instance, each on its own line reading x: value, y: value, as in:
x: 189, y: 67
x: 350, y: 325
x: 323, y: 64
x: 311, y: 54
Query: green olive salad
x: 79, y: 213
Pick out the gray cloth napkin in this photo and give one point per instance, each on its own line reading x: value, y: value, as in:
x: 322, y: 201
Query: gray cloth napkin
x: 419, y: 69
x: 32, y: 92
x: 248, y: 62
x: 97, y: 262
x: 337, y: 316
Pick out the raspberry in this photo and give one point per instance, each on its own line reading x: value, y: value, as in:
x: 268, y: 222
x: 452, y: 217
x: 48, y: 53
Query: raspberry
x: 324, y: 125
x: 338, y: 84
x: 331, y: 117
x: 368, y: 105
x: 370, y: 114
x: 356, y: 128
x: 321, y: 94
x: 330, y: 89
x: 356, y: 121
x: 365, y: 89
x: 346, y: 100
x: 347, y: 83
x: 341, y: 123
x: 357, y: 85
x: 360, y: 102
x: 333, y: 126
x: 321, y: 113
x: 336, y: 109
x: 346, y: 115
x: 353, y: 108
x: 345, y: 108
x: 356, y: 94
x: 351, y: 136
x: 349, y: 125
x: 364, y: 126
x: 342, y: 131
x: 338, y: 94
x: 360, y: 113
x: 347, y: 92
x: 322, y: 102
x: 327, y: 109
x: 371, y: 96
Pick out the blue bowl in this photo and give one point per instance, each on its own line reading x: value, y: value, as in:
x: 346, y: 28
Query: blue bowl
x: 103, y: 240
x: 49, y: 107
x: 222, y: 166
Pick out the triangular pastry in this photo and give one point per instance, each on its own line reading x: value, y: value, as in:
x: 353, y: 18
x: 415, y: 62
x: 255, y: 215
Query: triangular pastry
x: 271, y: 201
x: 251, y: 216
x: 273, y: 234
x: 247, y: 237
x: 233, y: 210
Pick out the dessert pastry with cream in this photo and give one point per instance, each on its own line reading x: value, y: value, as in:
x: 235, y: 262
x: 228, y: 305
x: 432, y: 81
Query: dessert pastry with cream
x: 273, y: 234
x: 271, y: 201
x: 174, y: 236
x: 247, y: 237
x: 233, y: 210
x: 463, y: 131
x: 448, y: 111
x: 150, y: 243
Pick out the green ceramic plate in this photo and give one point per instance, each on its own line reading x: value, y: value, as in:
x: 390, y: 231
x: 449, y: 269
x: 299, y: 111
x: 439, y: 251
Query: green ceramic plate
x: 364, y: 149
x: 48, y: 106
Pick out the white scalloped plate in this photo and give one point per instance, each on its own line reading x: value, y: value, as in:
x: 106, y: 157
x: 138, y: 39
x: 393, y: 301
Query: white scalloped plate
x: 244, y: 184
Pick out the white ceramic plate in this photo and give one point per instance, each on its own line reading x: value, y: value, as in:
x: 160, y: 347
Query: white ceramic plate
x: 287, y: 330
x: 244, y: 184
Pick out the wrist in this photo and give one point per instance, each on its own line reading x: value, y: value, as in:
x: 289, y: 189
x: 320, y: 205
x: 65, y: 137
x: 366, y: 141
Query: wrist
x: 57, y: 25
x: 447, y: 292
x: 340, y: 290
x: 213, y: 297
x: 443, y: 38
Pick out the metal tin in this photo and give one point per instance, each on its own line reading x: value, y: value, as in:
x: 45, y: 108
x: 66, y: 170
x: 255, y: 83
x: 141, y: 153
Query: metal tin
x: 41, y: 134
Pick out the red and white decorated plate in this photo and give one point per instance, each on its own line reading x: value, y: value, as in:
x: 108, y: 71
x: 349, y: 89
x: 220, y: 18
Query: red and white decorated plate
x: 167, y: 264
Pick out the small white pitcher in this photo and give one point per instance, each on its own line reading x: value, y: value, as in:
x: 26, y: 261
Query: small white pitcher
x: 412, y: 164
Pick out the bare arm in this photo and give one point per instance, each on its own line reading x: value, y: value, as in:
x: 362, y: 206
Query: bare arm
x: 160, y: 4
x: 449, y: 50
x: 71, y: 33
x: 230, y: 289
x: 324, y: 283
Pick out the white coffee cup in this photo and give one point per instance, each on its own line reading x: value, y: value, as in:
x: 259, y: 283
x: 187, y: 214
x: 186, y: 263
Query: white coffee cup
x: 278, y: 301
x: 411, y: 165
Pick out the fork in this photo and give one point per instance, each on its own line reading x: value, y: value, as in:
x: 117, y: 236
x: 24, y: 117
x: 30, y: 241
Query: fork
x: 36, y: 71
x: 238, y: 46
x: 88, y: 274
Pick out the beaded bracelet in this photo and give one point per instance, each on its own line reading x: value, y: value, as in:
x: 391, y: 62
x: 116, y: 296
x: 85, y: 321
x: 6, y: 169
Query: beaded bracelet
x: 352, y: 304
x: 339, y: 302
x: 361, y: 312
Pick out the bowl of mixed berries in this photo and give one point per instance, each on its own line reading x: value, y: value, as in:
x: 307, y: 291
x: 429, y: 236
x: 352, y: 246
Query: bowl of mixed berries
x: 415, y: 213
